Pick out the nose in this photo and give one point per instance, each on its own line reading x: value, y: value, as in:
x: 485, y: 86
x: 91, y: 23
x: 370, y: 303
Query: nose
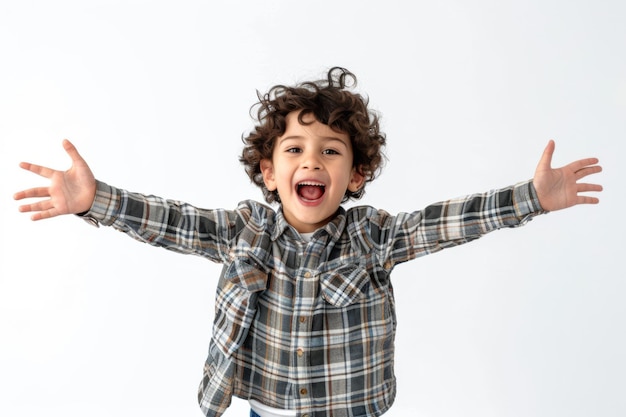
x: 311, y: 160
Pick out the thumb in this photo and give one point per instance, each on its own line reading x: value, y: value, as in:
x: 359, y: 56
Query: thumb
x: 546, y: 158
x: 72, y: 151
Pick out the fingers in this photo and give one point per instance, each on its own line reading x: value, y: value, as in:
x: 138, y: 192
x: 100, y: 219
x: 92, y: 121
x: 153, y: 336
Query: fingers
x: 37, y: 169
x: 32, y: 193
x: 48, y: 172
x: 38, y: 206
x: 584, y: 199
x: 581, y: 168
x: 583, y: 163
x: 585, y: 167
x: 582, y: 173
x: 584, y: 188
x: 41, y: 215
x: 44, y: 209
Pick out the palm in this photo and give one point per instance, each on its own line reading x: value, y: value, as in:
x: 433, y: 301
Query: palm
x: 66, y: 189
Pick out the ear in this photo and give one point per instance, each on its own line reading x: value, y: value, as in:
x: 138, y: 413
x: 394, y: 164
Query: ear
x: 267, y: 169
x: 357, y: 179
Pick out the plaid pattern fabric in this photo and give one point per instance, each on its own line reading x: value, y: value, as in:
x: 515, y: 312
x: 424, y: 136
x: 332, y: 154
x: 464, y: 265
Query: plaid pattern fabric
x: 308, y: 326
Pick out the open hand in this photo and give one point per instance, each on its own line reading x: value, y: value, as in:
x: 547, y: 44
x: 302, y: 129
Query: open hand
x: 69, y: 192
x: 558, y: 188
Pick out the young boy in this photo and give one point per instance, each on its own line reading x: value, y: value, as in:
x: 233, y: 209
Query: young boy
x: 305, y: 315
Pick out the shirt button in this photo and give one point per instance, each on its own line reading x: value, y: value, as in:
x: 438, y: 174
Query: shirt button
x: 300, y: 352
x: 387, y: 265
x: 303, y: 391
x: 305, y: 415
x: 302, y: 319
x: 91, y: 221
x: 307, y: 274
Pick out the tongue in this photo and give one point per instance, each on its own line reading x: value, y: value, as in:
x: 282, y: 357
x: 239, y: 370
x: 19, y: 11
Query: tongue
x: 311, y: 192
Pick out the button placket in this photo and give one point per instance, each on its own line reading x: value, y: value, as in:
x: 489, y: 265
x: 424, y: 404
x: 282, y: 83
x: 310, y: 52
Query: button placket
x: 306, y: 286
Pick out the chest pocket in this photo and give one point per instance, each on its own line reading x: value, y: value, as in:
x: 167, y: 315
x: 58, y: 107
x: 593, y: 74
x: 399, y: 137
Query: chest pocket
x: 344, y: 285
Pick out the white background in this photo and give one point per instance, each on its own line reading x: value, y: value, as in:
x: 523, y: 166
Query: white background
x: 525, y: 322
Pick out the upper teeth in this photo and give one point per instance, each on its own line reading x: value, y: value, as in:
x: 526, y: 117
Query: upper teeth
x: 317, y: 184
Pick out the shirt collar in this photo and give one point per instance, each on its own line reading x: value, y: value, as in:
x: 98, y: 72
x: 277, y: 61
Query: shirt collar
x: 334, y: 228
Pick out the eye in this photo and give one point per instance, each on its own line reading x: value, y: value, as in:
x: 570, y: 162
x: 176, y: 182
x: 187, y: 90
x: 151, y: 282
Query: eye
x: 293, y: 149
x: 330, y: 152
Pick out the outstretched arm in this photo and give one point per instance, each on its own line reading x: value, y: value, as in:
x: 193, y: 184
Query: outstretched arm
x: 558, y: 188
x: 69, y: 192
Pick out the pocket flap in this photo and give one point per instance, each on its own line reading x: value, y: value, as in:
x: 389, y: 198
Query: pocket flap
x: 344, y: 285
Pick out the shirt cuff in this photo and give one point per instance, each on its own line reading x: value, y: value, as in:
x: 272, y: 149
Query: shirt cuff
x: 526, y: 202
x: 105, y: 206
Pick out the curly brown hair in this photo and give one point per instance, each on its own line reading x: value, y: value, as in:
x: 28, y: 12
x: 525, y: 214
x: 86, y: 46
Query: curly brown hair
x: 332, y: 104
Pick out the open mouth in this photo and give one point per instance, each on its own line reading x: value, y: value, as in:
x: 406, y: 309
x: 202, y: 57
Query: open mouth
x: 311, y: 190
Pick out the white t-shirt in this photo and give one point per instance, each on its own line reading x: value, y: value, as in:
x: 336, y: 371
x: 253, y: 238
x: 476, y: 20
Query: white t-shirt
x: 267, y: 411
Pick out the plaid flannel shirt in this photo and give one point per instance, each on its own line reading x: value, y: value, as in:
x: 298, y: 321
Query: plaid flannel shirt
x: 308, y: 326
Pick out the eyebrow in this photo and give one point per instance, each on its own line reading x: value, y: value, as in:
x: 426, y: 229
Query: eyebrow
x: 325, y: 138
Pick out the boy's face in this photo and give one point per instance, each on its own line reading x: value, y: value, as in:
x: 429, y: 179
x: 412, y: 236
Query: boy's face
x: 311, y: 168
